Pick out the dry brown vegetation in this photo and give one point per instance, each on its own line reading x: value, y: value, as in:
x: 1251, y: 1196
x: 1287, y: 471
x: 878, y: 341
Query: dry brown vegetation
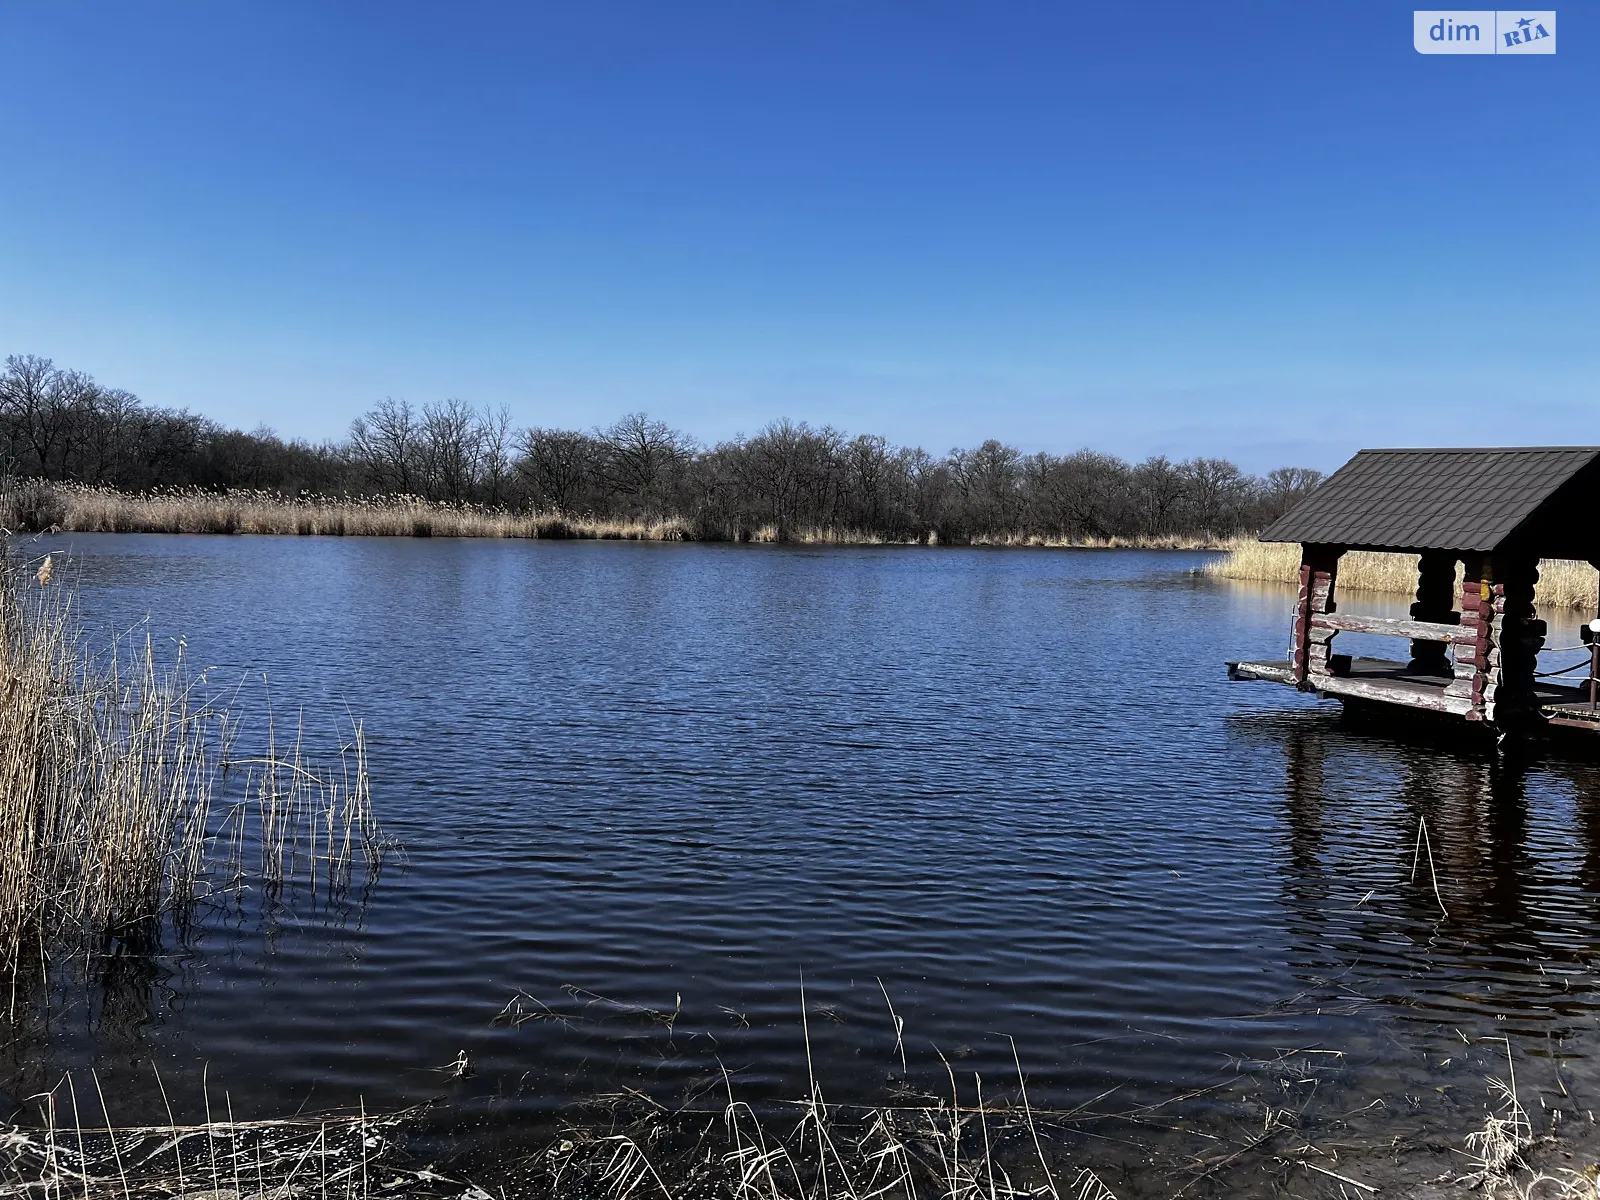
x: 101, y: 510
x: 352, y: 1156
x: 981, y: 1140
x: 1562, y: 583
x: 77, y: 509
x: 114, y: 817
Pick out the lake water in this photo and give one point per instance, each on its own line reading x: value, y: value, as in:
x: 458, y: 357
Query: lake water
x: 657, y: 787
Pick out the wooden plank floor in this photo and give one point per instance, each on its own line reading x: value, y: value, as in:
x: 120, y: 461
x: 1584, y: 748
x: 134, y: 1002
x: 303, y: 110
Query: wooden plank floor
x: 1385, y: 680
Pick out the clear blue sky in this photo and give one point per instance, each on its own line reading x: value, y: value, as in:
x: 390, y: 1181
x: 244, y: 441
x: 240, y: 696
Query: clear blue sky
x: 1271, y: 231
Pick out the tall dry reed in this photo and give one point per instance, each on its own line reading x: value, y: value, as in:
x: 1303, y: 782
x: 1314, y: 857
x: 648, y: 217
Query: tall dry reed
x: 75, y: 508
x: 839, y: 536
x: 103, y: 776
x: 1563, y: 583
x: 111, y: 765
x: 102, y: 510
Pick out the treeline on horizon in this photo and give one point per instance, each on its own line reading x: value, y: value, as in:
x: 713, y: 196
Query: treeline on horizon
x: 61, y: 425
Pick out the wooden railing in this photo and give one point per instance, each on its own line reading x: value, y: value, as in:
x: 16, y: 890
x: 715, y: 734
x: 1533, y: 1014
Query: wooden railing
x: 1422, y: 631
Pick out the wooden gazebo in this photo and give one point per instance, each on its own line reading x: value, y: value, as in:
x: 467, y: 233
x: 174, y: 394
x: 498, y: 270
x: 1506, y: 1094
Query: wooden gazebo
x: 1498, y: 512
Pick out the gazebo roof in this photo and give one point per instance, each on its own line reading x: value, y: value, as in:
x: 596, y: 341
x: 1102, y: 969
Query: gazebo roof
x: 1543, y: 500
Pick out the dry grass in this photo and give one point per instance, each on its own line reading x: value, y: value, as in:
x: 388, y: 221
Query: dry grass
x: 1153, y: 542
x: 101, y: 510
x: 972, y: 1146
x: 833, y: 536
x: 74, y: 508
x: 1499, y: 1151
x: 1562, y: 583
x: 976, y: 1141
x: 111, y: 773
x: 350, y: 1156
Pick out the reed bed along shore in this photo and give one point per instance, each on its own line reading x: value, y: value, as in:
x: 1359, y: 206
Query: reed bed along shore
x: 1563, y: 583
x: 966, y: 1147
x: 72, y: 508
x: 115, y: 817
x: 100, y: 510
x: 1262, y: 1130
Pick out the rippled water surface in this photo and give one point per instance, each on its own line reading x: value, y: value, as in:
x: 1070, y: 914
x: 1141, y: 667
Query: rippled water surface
x: 653, y: 787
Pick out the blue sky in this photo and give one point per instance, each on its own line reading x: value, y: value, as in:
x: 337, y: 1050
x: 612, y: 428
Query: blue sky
x: 1271, y: 231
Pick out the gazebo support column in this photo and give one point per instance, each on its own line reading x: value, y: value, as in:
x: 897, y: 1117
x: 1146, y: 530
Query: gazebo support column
x: 1472, y: 657
x: 1308, y: 649
x: 1496, y: 668
x: 1515, y: 640
x: 1436, y: 598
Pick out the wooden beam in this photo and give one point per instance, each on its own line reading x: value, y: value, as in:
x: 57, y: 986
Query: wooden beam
x: 1421, y: 631
x: 1386, y: 692
x: 1268, y: 672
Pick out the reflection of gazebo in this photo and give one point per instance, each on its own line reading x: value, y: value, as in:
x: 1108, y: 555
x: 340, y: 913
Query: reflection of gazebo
x: 1498, y: 512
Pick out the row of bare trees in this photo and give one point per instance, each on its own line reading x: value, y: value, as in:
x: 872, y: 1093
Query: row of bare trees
x: 791, y: 476
x: 57, y: 424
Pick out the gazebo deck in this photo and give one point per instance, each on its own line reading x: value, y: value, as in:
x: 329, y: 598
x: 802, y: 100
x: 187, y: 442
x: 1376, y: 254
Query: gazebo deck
x: 1388, y: 682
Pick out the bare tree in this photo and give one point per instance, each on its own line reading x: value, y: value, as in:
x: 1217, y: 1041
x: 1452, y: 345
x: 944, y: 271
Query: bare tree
x: 990, y: 480
x: 1157, y: 490
x: 1284, y: 488
x: 495, y: 446
x: 25, y: 397
x: 1083, y: 495
x: 870, y: 478
x: 641, y: 457
x: 1217, y: 493
x: 386, y: 445
x: 451, y: 450
x: 106, y: 442
x: 931, y: 487
x: 559, y: 467
x: 793, y: 474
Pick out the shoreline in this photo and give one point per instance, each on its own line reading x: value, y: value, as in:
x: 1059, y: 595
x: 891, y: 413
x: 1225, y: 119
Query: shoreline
x: 1298, y: 1149
x: 77, y: 509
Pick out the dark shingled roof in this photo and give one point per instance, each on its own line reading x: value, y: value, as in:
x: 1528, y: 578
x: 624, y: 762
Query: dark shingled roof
x: 1461, y: 499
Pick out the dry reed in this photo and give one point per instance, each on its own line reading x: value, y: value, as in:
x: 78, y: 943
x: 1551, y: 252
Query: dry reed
x: 352, y: 1156
x: 966, y: 1147
x: 1563, y: 583
x: 111, y: 767
x: 974, y: 1142
x: 101, y: 510
x: 840, y: 536
x: 73, y: 508
x: 969, y: 1148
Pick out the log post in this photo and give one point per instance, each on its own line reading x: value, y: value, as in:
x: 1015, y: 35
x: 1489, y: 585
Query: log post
x: 1308, y: 648
x: 1516, y: 637
x: 1472, y: 656
x: 1495, y: 669
x: 1436, y: 598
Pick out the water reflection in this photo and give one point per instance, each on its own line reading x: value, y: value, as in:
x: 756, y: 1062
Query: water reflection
x: 1456, y: 886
